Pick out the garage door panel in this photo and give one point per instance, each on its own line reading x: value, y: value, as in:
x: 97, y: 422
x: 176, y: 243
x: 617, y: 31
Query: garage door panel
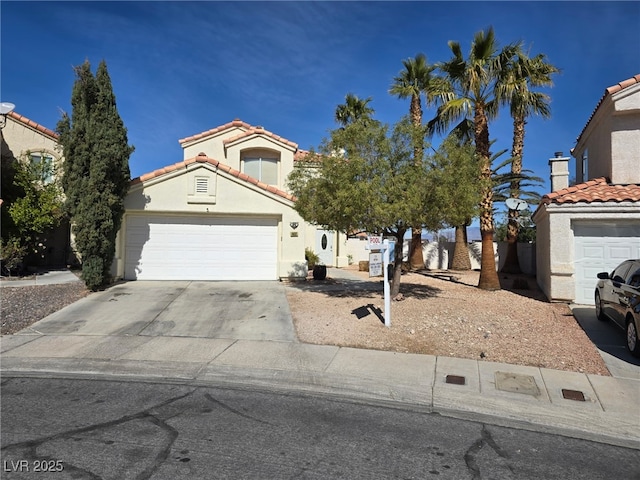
x: 201, y: 248
x: 601, y: 248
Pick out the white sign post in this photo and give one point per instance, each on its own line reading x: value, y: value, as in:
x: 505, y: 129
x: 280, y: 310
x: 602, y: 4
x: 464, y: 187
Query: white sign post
x: 387, y: 287
x: 377, y: 243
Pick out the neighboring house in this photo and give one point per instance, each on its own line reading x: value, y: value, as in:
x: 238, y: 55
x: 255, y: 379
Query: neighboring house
x: 593, y: 226
x: 25, y: 140
x: 223, y: 213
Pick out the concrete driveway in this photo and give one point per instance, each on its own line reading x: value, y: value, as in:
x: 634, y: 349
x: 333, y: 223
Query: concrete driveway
x: 231, y: 310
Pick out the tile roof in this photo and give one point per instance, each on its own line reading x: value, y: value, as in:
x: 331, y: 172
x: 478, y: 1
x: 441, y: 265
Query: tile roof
x: 235, y: 123
x: 596, y: 190
x: 610, y: 91
x: 202, y: 158
x: 30, y: 123
x: 249, y: 130
x: 260, y: 131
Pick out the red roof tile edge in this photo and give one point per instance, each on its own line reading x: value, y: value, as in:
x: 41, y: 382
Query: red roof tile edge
x: 201, y: 158
x: 260, y: 131
x: 36, y: 126
x: 235, y: 123
x: 610, y: 91
x: 251, y: 130
x: 596, y: 190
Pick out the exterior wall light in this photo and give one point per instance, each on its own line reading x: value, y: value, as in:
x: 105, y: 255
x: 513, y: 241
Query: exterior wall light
x: 5, y: 109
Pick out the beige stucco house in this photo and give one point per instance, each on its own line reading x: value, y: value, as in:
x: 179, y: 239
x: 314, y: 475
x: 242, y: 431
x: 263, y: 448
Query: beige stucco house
x: 27, y: 141
x: 594, y: 225
x: 222, y: 213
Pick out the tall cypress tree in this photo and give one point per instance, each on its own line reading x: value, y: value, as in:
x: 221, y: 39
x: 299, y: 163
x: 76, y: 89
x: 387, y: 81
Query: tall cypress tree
x: 96, y: 171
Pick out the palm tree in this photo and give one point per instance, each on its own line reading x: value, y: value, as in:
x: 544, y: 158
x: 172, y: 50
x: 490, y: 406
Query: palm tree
x: 469, y: 91
x: 514, y: 89
x: 353, y: 109
x: 414, y: 80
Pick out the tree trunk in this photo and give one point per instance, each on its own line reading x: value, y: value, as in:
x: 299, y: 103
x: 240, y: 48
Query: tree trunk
x: 489, y: 279
x: 461, y: 260
x: 397, y: 264
x: 416, y: 259
x: 512, y: 262
x: 488, y: 274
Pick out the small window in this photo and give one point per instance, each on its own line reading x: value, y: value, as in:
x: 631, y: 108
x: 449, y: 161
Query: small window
x: 264, y: 169
x: 585, y: 166
x: 42, y: 163
x: 202, y: 185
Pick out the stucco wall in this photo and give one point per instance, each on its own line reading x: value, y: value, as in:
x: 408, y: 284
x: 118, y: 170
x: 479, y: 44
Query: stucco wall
x: 21, y: 139
x: 556, y: 241
x: 233, y: 197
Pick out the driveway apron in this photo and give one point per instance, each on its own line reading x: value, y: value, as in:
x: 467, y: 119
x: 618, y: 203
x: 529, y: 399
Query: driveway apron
x: 231, y: 310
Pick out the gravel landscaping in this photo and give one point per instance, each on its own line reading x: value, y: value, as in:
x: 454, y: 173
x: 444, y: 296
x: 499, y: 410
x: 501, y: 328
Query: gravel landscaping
x: 438, y: 315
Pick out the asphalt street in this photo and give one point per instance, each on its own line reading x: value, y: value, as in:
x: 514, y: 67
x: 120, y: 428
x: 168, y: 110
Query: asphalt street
x: 90, y: 429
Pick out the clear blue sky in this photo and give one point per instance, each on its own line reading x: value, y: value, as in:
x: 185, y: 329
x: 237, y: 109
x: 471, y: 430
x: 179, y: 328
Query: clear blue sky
x: 180, y: 68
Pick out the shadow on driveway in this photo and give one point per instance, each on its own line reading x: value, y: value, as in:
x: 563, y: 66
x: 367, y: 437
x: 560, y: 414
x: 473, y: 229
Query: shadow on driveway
x: 607, y: 337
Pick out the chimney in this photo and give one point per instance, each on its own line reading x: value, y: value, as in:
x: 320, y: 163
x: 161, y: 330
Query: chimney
x: 559, y: 171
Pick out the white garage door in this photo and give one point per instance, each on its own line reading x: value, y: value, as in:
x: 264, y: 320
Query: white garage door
x: 600, y: 248
x: 201, y: 248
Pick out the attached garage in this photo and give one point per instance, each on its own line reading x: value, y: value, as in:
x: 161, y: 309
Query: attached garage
x: 188, y: 247
x: 600, y: 247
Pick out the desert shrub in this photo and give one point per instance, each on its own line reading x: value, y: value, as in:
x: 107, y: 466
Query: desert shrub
x: 311, y: 257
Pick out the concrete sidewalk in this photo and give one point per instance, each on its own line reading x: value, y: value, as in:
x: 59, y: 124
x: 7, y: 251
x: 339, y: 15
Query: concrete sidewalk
x: 585, y: 406
x: 599, y: 408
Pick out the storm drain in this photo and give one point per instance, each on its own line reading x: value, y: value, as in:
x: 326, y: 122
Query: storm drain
x: 573, y: 395
x: 455, y: 380
x: 516, y: 383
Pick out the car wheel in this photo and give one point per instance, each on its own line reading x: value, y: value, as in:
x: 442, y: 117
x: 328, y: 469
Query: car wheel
x: 599, y: 310
x: 633, y: 344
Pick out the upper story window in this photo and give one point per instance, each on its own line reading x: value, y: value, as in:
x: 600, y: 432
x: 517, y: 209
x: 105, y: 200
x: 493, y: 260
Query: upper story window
x: 263, y: 168
x: 42, y: 163
x: 585, y: 166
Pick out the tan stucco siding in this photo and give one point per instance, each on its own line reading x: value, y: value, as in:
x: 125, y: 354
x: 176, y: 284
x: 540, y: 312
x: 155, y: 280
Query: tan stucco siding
x: 212, y: 145
x: 625, y: 149
x: 21, y: 140
x: 555, y: 241
x: 233, y: 197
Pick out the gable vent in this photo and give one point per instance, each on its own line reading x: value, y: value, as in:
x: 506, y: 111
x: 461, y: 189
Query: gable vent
x: 202, y: 185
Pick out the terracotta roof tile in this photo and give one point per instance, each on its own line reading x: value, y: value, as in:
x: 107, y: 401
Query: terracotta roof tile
x: 235, y: 123
x: 201, y: 158
x: 260, y: 131
x: 36, y: 126
x: 610, y: 91
x: 596, y: 190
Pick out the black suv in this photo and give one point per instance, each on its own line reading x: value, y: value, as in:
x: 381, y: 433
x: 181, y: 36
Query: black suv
x: 618, y: 298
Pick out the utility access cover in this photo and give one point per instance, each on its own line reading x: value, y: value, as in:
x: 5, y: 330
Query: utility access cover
x: 516, y: 383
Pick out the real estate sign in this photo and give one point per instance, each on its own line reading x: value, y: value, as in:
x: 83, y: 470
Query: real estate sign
x: 375, y: 264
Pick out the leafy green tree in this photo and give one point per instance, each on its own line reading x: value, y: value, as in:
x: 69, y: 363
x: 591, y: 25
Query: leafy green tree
x: 374, y: 186
x: 470, y: 87
x: 40, y: 207
x: 412, y: 82
x: 456, y: 170
x: 515, y: 88
x: 96, y: 173
x: 353, y: 109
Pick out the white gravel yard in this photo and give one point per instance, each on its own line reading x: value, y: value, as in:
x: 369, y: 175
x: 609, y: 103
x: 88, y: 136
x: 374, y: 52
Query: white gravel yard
x: 438, y: 316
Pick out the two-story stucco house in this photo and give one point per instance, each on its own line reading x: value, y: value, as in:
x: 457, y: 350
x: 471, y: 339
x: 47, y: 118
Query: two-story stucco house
x: 222, y: 213
x: 27, y: 141
x: 594, y: 225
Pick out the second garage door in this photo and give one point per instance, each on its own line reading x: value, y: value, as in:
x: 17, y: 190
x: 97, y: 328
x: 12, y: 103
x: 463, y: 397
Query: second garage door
x: 600, y: 248
x: 200, y: 248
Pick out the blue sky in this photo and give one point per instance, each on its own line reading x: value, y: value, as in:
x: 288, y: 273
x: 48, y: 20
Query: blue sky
x: 180, y: 68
